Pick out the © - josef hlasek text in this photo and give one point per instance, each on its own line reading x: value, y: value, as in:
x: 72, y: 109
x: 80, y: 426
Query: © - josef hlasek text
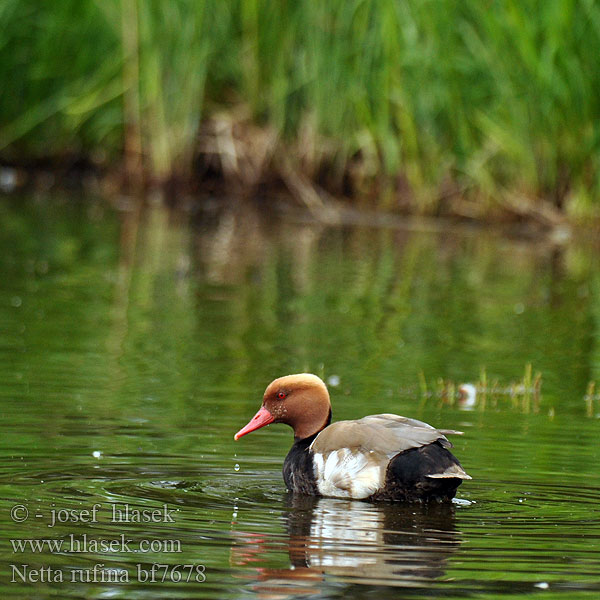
x: 119, y: 513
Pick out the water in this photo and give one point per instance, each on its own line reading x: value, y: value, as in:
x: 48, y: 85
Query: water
x: 134, y: 344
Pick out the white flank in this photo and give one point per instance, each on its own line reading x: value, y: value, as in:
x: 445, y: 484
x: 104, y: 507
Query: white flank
x: 347, y: 474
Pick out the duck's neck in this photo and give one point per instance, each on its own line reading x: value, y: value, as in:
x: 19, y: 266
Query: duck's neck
x: 303, y: 432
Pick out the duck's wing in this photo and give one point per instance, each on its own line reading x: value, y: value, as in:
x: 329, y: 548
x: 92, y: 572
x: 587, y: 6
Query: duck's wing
x: 351, y: 457
x: 384, y: 434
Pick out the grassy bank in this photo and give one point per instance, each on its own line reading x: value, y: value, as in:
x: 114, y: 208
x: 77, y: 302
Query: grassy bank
x: 466, y: 106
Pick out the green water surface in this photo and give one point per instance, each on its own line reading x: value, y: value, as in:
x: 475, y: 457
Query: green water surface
x: 135, y: 343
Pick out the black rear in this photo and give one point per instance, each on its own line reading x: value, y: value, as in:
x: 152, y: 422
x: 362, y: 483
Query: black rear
x: 406, y: 477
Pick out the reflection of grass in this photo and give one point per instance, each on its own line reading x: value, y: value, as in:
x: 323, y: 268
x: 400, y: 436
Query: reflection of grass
x: 591, y: 399
x: 523, y: 395
x: 494, y: 96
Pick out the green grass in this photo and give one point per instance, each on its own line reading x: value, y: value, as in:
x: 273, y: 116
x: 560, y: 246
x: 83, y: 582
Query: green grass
x: 498, y: 97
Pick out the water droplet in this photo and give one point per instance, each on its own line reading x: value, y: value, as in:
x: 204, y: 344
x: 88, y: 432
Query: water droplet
x: 96, y: 454
x: 519, y: 308
x: 236, y: 467
x: 16, y: 301
x: 462, y: 501
x: 543, y: 585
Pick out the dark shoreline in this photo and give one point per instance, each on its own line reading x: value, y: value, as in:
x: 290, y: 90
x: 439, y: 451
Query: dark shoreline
x: 295, y: 191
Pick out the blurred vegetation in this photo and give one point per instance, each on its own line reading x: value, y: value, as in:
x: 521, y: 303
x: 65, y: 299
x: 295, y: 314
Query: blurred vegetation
x: 463, y: 106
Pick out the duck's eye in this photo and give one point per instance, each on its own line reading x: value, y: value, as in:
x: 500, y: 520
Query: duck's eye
x: 281, y: 395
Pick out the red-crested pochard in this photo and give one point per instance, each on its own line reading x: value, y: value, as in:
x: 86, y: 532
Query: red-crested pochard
x: 379, y: 457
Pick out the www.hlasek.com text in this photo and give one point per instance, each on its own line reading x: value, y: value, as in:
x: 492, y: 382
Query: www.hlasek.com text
x: 73, y: 544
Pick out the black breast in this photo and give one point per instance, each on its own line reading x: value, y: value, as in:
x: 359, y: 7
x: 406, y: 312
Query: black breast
x: 298, y: 468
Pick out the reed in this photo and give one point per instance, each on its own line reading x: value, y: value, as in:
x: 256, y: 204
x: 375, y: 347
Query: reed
x: 589, y: 398
x: 467, y: 104
x: 523, y: 395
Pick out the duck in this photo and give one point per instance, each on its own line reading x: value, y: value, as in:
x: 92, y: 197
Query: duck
x: 467, y: 396
x: 384, y: 457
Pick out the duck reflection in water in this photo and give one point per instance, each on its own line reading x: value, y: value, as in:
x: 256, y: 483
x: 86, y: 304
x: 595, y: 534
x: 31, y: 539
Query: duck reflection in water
x: 356, y: 542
